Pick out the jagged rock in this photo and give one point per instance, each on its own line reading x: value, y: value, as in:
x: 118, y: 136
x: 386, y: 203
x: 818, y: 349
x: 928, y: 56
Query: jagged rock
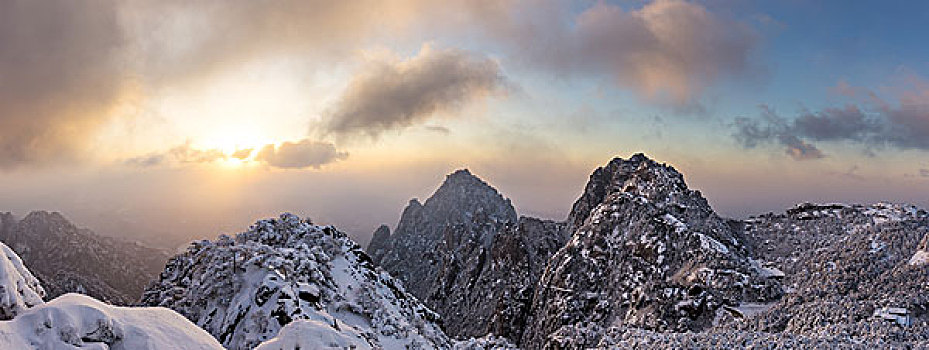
x: 69, y: 259
x: 651, y: 253
x: 245, y: 290
x: 467, y: 256
x: 378, y: 244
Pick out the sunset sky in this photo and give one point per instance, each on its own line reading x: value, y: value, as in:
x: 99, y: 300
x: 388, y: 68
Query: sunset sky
x: 171, y: 120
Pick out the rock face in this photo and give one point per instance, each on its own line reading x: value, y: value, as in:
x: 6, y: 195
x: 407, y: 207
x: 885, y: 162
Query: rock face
x: 468, y: 256
x: 68, y: 259
x: 19, y: 290
x: 244, y: 290
x: 647, y: 252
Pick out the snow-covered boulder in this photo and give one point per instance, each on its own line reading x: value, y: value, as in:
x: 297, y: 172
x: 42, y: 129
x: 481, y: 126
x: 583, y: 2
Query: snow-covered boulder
x: 75, y: 321
x: 245, y: 290
x: 19, y: 290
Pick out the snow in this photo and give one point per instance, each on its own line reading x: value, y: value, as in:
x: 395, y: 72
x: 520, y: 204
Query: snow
x: 75, y: 321
x: 709, y: 243
x: 314, y: 334
x: 920, y: 258
x: 19, y: 289
x: 897, y: 314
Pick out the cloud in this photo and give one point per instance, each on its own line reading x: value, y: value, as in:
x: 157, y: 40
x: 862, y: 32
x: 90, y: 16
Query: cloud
x: 799, y: 150
x: 58, y: 77
x: 667, y: 50
x: 390, y: 95
x: 924, y: 172
x: 242, y: 153
x: 871, y: 121
x: 297, y: 155
x: 182, y: 154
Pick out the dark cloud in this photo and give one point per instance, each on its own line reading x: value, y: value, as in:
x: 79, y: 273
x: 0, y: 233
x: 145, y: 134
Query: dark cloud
x: 872, y: 122
x: 799, y: 150
x: 182, y: 154
x: 394, y: 95
x: 58, y: 76
x: 298, y: 155
x: 924, y: 172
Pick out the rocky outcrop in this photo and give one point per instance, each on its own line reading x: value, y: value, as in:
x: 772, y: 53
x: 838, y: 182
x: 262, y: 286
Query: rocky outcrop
x: 69, y: 259
x: 649, y: 253
x: 244, y: 290
x: 468, y: 257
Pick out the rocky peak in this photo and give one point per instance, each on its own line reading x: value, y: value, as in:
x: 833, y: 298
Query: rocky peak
x: 646, y: 251
x: 467, y: 255
x: 463, y: 195
x: 379, y: 241
x: 639, y: 176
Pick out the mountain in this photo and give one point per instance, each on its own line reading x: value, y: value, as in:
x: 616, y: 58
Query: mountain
x: 651, y: 254
x: 69, y: 259
x: 312, y: 281
x: 74, y: 321
x: 469, y: 257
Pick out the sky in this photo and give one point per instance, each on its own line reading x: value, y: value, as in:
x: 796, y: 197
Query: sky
x: 166, y: 121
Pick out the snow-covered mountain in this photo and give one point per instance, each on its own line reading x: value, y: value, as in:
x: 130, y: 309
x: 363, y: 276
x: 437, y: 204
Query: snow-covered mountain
x: 289, y: 272
x: 468, y: 256
x: 74, y: 321
x: 70, y: 259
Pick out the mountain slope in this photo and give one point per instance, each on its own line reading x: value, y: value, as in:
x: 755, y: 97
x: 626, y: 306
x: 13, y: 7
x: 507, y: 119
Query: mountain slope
x: 468, y: 257
x: 245, y: 290
x: 69, y: 259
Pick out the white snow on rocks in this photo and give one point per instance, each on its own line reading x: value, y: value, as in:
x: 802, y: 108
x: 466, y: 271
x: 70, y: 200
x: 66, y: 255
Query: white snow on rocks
x: 19, y: 290
x: 711, y: 244
x: 920, y: 258
x: 245, y: 290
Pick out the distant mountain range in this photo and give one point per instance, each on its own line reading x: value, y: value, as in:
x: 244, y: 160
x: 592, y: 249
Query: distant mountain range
x: 641, y: 262
x: 68, y: 259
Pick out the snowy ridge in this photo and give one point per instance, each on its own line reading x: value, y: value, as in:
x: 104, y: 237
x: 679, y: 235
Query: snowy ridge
x: 19, y: 290
x: 245, y: 290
